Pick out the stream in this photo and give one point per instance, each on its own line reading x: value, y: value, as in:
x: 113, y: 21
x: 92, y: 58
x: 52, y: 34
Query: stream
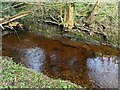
x: 60, y: 58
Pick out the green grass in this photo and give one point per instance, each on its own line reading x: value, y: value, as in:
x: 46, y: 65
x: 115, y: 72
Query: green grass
x: 17, y: 76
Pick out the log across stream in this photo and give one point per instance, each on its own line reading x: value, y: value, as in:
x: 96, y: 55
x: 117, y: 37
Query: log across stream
x: 84, y: 64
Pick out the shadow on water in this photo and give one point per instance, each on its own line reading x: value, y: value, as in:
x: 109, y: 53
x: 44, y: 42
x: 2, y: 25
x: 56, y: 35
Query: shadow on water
x: 62, y: 58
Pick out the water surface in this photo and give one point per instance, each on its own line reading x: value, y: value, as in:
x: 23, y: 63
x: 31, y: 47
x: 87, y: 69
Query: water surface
x: 83, y: 64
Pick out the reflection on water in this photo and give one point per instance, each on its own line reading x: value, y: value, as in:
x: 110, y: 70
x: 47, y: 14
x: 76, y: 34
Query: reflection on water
x: 103, y: 71
x: 34, y: 58
x: 79, y: 63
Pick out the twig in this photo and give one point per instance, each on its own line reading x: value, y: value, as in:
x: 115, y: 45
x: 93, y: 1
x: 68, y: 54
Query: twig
x: 50, y: 22
x: 2, y: 27
x: 53, y: 18
x: 17, y: 35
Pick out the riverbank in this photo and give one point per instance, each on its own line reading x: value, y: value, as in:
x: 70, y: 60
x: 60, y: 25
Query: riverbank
x: 17, y: 76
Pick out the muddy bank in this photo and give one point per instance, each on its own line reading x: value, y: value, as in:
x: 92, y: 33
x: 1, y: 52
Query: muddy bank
x: 84, y: 64
x: 92, y: 35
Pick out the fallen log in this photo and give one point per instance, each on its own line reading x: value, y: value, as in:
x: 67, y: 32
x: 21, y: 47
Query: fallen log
x: 12, y: 18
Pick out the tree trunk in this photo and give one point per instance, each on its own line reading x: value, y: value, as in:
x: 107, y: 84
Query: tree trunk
x: 92, y: 17
x: 70, y: 20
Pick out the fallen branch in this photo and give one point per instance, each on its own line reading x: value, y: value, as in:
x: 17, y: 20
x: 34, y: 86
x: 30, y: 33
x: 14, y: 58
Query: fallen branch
x: 12, y: 18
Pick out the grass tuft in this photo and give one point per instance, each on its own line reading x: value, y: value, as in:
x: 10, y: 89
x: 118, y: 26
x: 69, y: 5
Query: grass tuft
x: 17, y: 76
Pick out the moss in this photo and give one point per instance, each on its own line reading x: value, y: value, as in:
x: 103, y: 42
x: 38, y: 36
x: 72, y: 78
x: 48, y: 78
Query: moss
x: 17, y: 76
